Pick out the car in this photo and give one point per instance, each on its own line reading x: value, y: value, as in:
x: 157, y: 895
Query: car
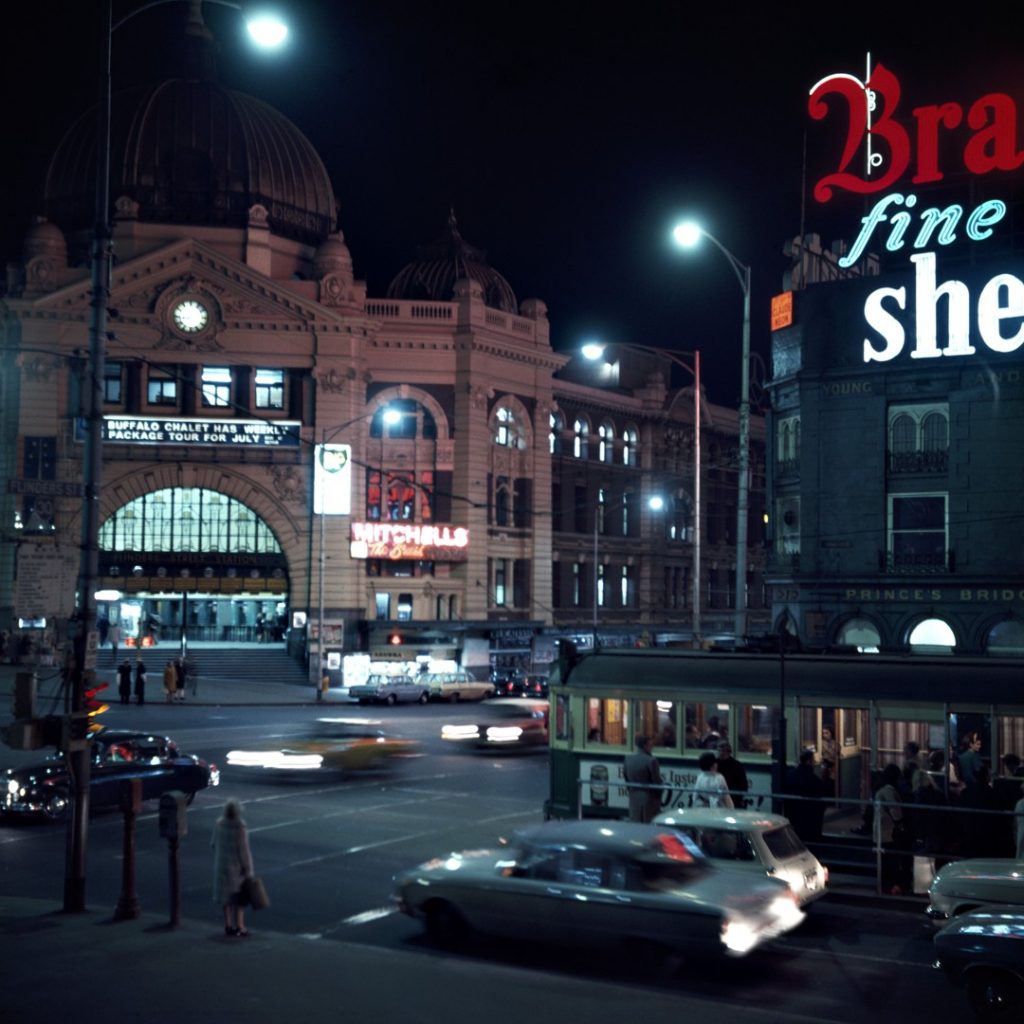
x: 623, y: 885
x: 534, y: 686
x: 983, y: 951
x: 507, y: 682
x: 753, y: 842
x: 44, y: 789
x: 380, y: 689
x: 966, y: 885
x: 510, y: 723
x: 456, y: 686
x: 337, y: 745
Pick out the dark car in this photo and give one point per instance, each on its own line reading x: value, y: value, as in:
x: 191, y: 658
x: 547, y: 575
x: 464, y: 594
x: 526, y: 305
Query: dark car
x: 44, y: 788
x: 534, y: 686
x: 514, y: 724
x: 983, y: 950
x: 507, y: 682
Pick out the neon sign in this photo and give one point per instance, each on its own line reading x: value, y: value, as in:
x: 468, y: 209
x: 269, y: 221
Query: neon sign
x: 395, y: 541
x: 871, y: 108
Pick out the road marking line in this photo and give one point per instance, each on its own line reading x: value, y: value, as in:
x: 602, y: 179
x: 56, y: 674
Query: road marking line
x: 370, y: 915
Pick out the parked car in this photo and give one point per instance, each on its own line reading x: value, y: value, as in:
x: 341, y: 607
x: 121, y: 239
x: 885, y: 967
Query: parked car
x: 456, y: 686
x: 506, y: 724
x: 617, y: 884
x: 752, y: 842
x: 534, y: 686
x: 380, y: 689
x: 44, y: 789
x: 983, y: 951
x: 337, y: 745
x: 968, y: 884
x: 507, y: 682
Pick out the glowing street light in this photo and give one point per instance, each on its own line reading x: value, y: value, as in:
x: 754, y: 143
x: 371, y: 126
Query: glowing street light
x: 687, y: 235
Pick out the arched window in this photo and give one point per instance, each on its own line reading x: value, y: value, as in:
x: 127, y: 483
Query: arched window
x: 1006, y: 638
x: 508, y: 431
x: 860, y: 634
x: 581, y: 438
x: 932, y: 636
x: 629, y: 446
x: 605, y: 442
x: 556, y: 428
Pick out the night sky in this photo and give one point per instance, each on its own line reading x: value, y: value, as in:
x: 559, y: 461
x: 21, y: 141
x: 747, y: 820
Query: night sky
x: 567, y: 137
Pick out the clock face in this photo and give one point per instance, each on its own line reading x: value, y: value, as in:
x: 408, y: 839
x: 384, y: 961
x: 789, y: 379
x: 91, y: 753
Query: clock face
x: 190, y: 316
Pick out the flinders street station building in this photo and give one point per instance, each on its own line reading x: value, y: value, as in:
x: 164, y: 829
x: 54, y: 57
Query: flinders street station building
x: 417, y: 478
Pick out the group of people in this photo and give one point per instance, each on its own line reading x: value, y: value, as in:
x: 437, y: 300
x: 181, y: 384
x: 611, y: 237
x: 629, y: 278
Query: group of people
x: 133, y: 679
x: 175, y: 674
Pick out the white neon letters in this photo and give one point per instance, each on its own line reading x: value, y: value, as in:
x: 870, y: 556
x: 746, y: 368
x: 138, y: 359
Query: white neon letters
x: 1000, y: 305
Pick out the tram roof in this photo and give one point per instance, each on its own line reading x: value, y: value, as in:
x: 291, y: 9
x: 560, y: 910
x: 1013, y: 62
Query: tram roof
x: 933, y: 678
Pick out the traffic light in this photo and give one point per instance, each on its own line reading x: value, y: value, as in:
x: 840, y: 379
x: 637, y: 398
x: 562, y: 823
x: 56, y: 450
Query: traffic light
x: 93, y: 706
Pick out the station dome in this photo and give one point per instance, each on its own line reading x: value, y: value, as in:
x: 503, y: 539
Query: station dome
x: 188, y: 150
x: 432, y: 275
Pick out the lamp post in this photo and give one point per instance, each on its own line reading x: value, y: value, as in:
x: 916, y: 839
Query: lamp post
x: 594, y: 350
x: 687, y: 235
x: 264, y: 32
x: 391, y: 416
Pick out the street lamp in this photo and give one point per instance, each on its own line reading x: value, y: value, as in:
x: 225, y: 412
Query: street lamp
x: 84, y: 648
x: 595, y: 350
x: 687, y: 235
x: 322, y: 456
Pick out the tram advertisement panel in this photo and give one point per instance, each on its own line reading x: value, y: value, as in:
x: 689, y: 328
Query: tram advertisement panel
x: 603, y: 785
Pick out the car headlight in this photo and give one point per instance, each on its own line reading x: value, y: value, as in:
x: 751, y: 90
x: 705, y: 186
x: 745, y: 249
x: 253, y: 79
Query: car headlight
x: 460, y: 732
x: 13, y: 787
x: 503, y: 733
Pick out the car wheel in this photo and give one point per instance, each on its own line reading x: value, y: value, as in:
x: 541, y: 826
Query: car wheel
x: 995, y: 995
x: 55, y: 808
x: 424, y: 697
x: 453, y: 698
x: 189, y: 797
x: 390, y: 700
x: 445, y: 925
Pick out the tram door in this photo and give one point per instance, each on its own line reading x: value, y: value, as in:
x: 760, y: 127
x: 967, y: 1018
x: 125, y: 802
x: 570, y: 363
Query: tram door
x: 841, y: 741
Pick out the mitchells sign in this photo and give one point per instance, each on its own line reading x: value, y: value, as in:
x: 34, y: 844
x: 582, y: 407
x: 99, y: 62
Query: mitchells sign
x: 932, y: 318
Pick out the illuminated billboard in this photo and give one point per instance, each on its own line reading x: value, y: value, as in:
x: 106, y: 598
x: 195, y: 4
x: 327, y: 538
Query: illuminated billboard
x: 427, y: 542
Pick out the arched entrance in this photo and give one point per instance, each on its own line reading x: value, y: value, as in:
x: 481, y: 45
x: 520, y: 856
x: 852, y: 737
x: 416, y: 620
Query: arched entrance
x: 193, y: 564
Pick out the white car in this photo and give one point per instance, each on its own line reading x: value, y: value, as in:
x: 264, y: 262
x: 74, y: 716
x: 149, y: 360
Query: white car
x: 968, y: 884
x: 456, y: 686
x: 754, y: 842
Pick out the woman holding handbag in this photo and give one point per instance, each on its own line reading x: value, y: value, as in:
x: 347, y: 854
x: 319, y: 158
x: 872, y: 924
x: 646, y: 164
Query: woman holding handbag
x: 232, y: 867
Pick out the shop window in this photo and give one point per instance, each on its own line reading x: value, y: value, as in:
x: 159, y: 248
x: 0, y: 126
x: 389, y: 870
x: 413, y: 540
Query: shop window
x: 269, y: 386
x: 657, y: 719
x: 607, y: 721
x: 216, y: 387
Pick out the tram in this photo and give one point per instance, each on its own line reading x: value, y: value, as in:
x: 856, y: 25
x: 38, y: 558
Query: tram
x: 857, y: 712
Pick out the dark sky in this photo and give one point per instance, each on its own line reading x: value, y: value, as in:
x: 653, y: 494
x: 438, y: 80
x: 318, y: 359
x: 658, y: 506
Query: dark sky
x: 568, y: 137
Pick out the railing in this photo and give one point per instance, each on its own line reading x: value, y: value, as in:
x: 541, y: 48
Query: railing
x: 919, y: 462
x: 922, y: 563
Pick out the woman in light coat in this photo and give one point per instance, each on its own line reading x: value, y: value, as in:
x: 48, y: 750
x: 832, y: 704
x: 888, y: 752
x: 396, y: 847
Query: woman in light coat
x: 232, y: 865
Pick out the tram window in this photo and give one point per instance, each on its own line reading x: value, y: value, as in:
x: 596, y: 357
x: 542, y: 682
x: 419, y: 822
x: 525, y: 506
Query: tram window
x: 707, y: 725
x: 894, y: 735
x: 1010, y: 730
x: 607, y: 721
x: 657, y: 719
x: 562, y: 718
x: 755, y: 724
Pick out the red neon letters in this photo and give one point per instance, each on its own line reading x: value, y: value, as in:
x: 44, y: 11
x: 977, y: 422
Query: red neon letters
x: 992, y: 146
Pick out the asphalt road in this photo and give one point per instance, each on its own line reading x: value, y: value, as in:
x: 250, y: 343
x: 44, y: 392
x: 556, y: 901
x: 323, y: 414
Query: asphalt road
x: 328, y: 848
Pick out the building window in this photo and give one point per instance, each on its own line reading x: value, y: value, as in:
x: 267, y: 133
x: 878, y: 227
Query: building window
x: 502, y: 500
x: 216, y: 387
x: 581, y: 438
x: 787, y: 526
x: 605, y: 442
x: 161, y: 387
x: 500, y: 581
x: 577, y: 588
x: 932, y: 636
x: 413, y: 421
x: 556, y: 427
x: 599, y: 576
x: 599, y: 522
x: 919, y: 438
x: 627, y: 589
x: 404, y: 607
x: 1006, y: 638
x: 787, y: 445
x: 269, y: 389
x: 629, y: 446
x: 917, y: 531
x: 508, y: 431
x: 112, y: 383
x: 383, y: 606
x: 859, y: 634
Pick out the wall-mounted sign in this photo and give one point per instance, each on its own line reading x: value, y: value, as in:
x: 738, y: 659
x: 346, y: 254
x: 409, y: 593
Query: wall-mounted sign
x: 332, y: 480
x: 782, y: 310
x: 433, y: 542
x: 193, y: 431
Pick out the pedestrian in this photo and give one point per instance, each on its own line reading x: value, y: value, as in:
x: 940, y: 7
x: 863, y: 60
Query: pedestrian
x: 892, y: 833
x: 970, y: 759
x: 807, y: 813
x: 710, y: 789
x: 114, y: 636
x: 734, y: 773
x: 124, y: 681
x: 642, y: 770
x: 829, y: 757
x: 232, y: 865
x: 140, y: 680
x: 179, y: 680
x: 170, y: 681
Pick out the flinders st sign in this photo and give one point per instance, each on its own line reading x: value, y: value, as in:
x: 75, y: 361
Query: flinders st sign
x: 931, y: 317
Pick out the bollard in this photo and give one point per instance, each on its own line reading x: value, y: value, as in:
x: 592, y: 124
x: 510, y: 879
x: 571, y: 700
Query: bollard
x: 173, y: 827
x: 130, y: 801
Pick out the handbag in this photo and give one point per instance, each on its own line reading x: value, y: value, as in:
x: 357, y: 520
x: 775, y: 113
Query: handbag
x: 254, y: 893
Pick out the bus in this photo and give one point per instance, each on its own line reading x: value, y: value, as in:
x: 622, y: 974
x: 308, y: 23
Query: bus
x: 856, y: 712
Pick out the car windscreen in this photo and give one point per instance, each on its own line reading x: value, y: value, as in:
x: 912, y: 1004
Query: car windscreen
x: 784, y: 843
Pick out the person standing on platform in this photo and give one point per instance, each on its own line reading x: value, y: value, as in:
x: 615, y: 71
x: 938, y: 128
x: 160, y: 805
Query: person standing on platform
x: 734, y: 773
x: 170, y: 681
x: 642, y: 770
x: 140, y: 680
x: 124, y: 681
